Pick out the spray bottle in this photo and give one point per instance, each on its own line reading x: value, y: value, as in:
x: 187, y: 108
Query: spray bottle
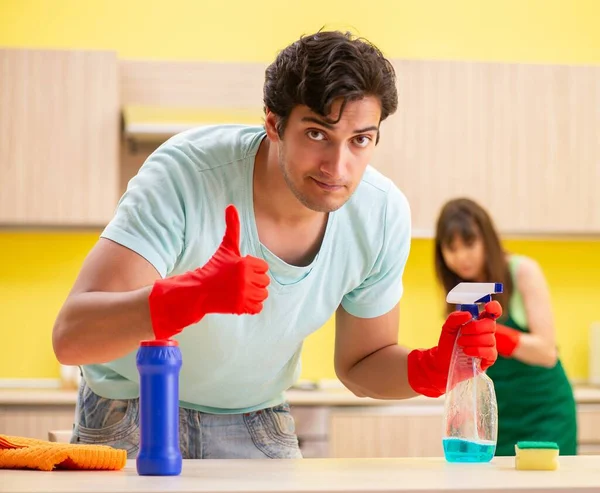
x: 470, y: 407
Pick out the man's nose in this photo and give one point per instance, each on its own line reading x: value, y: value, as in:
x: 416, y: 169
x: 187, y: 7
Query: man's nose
x: 334, y: 161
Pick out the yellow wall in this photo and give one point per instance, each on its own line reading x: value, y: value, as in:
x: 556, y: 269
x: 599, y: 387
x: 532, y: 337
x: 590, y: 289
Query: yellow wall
x: 38, y: 268
x: 515, y: 30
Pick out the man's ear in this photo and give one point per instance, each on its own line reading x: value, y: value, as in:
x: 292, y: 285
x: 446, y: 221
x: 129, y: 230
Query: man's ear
x: 271, y: 125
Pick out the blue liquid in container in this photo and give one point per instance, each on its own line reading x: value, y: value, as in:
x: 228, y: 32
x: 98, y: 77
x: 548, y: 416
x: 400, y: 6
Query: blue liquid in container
x: 159, y: 363
x: 461, y: 450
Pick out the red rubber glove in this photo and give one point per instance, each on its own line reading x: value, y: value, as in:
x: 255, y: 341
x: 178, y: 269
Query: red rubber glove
x: 507, y: 340
x: 228, y: 283
x: 428, y: 369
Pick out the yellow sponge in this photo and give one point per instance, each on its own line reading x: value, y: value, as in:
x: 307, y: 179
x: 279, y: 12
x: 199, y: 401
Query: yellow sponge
x: 536, y: 456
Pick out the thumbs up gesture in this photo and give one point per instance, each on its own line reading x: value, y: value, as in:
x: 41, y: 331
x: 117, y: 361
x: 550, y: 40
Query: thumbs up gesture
x: 228, y: 284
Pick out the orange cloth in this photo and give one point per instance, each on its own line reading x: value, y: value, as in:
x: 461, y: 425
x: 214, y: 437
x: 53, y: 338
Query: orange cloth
x: 30, y: 453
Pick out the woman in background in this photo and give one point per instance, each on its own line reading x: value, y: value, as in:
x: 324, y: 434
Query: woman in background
x: 535, y: 398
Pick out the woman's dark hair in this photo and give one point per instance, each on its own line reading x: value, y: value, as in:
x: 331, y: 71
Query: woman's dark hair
x: 467, y: 220
x: 320, y: 68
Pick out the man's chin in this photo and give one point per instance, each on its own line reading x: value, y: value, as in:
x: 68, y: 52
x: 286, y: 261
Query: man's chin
x: 323, y: 202
x: 325, y: 205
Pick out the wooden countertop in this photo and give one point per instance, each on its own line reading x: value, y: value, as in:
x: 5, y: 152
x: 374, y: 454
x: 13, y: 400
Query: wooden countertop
x: 321, y: 397
x: 408, y: 475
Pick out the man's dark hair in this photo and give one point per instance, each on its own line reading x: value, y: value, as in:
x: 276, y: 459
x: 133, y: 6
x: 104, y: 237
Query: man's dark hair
x: 320, y: 68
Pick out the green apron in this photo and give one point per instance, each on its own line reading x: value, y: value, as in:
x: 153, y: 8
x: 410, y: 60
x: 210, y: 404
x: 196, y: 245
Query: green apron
x: 534, y: 403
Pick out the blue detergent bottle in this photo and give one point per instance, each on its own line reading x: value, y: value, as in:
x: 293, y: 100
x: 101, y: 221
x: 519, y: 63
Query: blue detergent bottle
x: 470, y: 406
x: 159, y: 363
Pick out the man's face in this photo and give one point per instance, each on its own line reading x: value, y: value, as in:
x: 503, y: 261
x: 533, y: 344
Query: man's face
x: 323, y: 164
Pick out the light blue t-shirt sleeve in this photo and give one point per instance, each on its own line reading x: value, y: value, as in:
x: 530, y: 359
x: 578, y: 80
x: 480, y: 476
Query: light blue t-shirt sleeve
x: 383, y: 287
x: 150, y: 216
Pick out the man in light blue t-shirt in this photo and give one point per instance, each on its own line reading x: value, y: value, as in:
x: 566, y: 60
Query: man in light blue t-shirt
x: 239, y: 242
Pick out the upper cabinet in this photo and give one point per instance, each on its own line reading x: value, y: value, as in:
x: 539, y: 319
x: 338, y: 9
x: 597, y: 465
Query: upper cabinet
x: 522, y: 139
x: 59, y: 137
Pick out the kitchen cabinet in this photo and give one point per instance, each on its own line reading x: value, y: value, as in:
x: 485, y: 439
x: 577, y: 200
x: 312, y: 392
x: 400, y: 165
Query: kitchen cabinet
x: 35, y: 421
x: 522, y: 139
x: 59, y: 137
x: 588, y: 429
x: 34, y: 412
x: 365, y: 428
x: 403, y: 431
x: 519, y: 138
x: 415, y: 431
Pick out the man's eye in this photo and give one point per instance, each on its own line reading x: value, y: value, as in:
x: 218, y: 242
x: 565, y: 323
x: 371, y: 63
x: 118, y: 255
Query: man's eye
x: 315, y: 135
x: 362, y: 140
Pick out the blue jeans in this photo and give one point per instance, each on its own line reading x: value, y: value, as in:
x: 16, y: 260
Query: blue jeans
x: 269, y: 433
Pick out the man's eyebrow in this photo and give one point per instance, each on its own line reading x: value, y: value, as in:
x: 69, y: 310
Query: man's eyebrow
x: 318, y: 121
x: 329, y: 126
x: 367, y: 129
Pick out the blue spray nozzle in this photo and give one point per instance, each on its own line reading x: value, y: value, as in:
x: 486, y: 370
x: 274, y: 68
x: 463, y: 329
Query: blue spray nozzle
x: 472, y: 309
x: 468, y: 296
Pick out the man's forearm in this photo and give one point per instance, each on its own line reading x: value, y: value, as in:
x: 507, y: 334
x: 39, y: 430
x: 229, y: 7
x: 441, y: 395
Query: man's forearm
x: 96, y: 327
x: 382, y: 375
